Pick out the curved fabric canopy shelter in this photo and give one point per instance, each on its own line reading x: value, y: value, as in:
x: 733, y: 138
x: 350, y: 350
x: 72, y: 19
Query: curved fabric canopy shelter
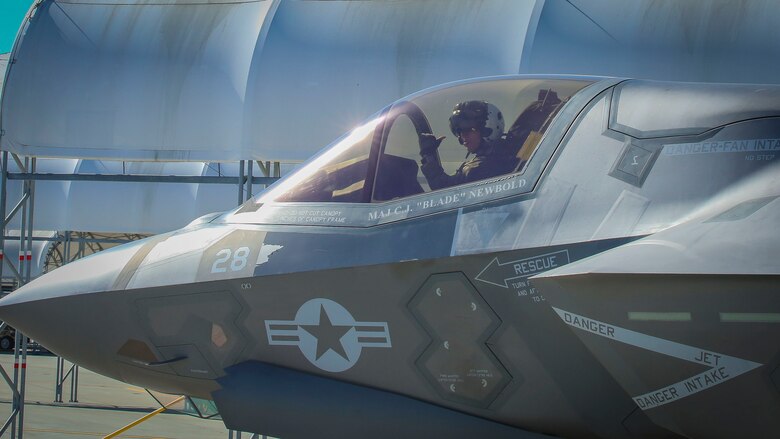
x: 219, y: 80
x: 214, y: 80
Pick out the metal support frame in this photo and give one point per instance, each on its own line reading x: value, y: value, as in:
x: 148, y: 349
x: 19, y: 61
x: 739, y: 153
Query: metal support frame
x: 246, y: 175
x: 22, y: 275
x: 59, y: 252
x: 86, y: 237
x: 241, y: 180
x: 138, y: 178
x: 62, y: 376
x: 26, y: 205
x: 84, y: 241
x: 15, y: 393
x: 3, y: 200
x: 250, y: 168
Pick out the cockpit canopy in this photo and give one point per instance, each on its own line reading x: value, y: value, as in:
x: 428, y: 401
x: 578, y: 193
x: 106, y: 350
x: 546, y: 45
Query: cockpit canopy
x: 381, y: 159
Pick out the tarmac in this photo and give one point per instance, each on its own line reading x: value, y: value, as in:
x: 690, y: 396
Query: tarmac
x: 103, y: 406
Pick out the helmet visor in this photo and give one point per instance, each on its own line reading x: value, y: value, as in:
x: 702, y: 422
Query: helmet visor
x: 460, y: 122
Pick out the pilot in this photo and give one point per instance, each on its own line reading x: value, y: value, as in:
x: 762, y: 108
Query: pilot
x: 479, y: 126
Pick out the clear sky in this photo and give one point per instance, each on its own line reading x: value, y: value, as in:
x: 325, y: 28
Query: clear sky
x: 11, y: 16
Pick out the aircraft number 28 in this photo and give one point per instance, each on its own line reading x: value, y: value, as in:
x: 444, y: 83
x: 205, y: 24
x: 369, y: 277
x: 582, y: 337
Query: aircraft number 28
x: 230, y: 260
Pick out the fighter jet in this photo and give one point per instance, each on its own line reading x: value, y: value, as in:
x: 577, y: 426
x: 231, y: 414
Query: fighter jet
x: 602, y: 263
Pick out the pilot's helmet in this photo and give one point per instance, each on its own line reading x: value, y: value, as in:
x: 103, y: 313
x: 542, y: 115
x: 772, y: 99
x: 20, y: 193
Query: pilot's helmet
x: 481, y: 115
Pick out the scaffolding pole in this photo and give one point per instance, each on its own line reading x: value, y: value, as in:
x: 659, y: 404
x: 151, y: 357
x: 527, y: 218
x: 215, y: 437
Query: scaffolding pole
x: 3, y: 200
x: 22, y: 274
x: 62, y: 377
x: 250, y: 179
x: 240, y: 182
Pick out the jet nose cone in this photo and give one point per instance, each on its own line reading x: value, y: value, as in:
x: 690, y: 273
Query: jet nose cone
x: 38, y: 307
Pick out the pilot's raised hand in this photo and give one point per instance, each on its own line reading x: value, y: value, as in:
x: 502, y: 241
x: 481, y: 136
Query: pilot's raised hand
x: 429, y: 143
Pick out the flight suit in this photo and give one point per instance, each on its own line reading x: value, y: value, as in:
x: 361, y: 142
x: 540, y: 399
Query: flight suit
x: 490, y: 160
